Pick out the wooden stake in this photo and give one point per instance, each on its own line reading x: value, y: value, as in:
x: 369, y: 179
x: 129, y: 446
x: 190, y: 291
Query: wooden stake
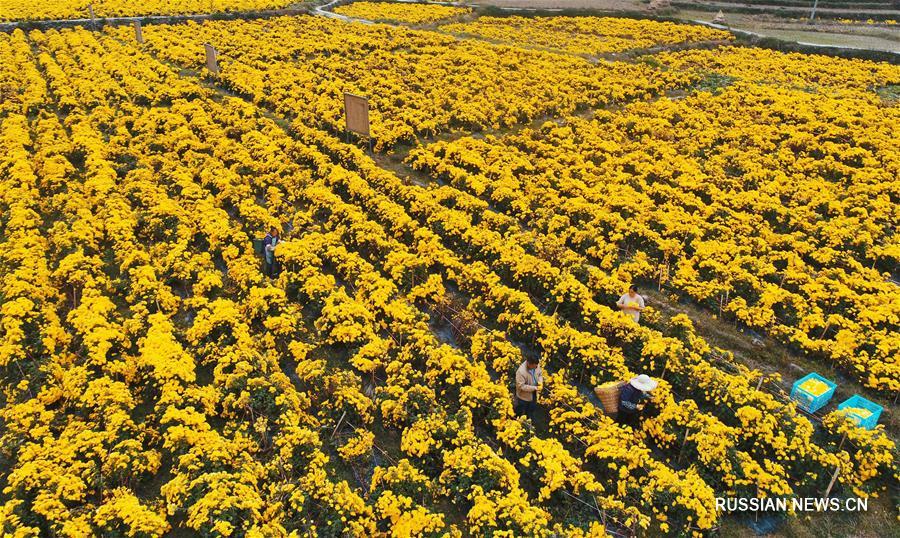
x: 683, y: 442
x: 758, y: 385
x: 338, y: 425
x: 138, y: 32
x: 833, y: 479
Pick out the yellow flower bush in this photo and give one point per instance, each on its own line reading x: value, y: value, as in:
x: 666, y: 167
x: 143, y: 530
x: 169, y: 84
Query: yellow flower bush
x: 788, y: 69
x: 396, y: 12
x: 357, y: 446
x: 22, y: 87
x: 418, y: 83
x: 125, y: 509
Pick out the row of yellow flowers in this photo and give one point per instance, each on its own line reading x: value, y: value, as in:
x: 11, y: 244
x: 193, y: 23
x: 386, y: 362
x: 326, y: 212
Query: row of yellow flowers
x: 418, y: 83
x: 400, y: 12
x: 22, y: 88
x: 810, y: 72
x: 585, y: 35
x: 23, y: 10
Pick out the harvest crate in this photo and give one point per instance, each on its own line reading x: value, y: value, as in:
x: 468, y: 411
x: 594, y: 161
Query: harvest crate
x: 859, y: 402
x: 809, y: 401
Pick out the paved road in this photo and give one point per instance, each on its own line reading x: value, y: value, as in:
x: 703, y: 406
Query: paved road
x: 857, y: 13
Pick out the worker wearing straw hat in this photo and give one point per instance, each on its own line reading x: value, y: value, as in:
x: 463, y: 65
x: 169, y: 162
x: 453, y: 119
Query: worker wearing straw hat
x: 634, y: 395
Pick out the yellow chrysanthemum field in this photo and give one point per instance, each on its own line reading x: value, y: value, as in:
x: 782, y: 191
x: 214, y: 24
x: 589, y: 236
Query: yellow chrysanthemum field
x: 518, y: 179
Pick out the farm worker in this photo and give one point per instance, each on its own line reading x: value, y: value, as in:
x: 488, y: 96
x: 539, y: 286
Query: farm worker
x: 633, y: 398
x: 631, y: 303
x: 529, y: 381
x: 269, y: 243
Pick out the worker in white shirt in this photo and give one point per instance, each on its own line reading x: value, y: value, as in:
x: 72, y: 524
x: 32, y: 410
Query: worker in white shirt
x: 631, y: 303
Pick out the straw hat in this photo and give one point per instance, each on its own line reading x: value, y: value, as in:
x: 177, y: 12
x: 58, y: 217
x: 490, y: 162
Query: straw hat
x: 644, y: 383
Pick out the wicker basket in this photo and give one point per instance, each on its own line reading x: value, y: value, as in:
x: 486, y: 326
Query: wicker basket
x: 608, y: 393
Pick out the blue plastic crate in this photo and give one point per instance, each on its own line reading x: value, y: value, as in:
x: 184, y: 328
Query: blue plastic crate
x: 858, y: 401
x: 810, y: 402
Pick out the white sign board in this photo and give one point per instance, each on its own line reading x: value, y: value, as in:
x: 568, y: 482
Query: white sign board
x: 212, y: 62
